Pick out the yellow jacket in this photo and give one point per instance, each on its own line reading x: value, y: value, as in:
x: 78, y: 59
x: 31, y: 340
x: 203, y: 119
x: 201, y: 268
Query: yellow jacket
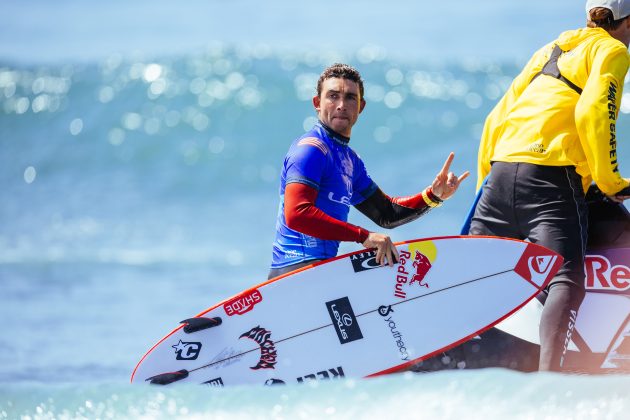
x: 545, y: 122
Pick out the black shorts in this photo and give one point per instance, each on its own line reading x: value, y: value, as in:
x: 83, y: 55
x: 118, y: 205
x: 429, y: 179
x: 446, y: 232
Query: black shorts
x: 543, y: 204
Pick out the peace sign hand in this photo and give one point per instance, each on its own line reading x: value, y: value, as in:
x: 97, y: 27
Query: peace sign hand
x: 446, y: 183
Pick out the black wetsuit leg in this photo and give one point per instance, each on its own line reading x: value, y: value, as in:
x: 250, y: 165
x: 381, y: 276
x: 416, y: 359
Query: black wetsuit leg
x: 544, y: 205
x: 557, y: 323
x: 275, y: 272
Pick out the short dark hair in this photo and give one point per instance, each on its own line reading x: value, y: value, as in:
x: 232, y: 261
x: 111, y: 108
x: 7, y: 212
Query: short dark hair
x: 602, y: 17
x: 342, y: 71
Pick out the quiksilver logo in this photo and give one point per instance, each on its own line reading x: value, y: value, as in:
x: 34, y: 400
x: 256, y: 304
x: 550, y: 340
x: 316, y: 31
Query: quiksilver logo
x: 541, y: 264
x: 537, y: 265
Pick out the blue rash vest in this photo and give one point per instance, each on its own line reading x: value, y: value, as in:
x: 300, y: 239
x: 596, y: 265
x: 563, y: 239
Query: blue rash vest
x: 323, y: 160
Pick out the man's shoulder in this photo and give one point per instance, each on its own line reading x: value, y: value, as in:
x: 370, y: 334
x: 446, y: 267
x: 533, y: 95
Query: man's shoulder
x: 315, y: 138
x: 308, y: 148
x: 311, y: 141
x: 602, y: 41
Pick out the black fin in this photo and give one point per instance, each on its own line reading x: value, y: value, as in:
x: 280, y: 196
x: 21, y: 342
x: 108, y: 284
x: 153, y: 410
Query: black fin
x: 198, y: 324
x: 168, y: 377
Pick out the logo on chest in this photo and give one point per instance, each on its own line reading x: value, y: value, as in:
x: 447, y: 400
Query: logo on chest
x: 345, y: 200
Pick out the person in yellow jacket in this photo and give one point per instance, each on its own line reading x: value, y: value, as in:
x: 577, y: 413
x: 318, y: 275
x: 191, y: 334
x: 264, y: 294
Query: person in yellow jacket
x: 551, y: 135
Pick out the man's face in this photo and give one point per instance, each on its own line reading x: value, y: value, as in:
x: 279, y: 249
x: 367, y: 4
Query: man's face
x: 339, y: 105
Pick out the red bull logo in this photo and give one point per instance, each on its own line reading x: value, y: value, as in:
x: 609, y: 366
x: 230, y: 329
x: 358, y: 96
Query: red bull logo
x: 421, y: 256
x: 422, y: 265
x: 602, y: 275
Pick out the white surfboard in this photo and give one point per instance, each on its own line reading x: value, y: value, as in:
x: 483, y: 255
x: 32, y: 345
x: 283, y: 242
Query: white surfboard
x: 600, y: 341
x: 347, y: 317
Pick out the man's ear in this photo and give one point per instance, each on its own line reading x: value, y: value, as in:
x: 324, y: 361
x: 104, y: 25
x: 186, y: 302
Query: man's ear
x: 316, y: 102
x: 362, y: 105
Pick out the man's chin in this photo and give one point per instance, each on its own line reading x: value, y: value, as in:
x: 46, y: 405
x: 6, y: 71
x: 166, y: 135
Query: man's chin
x: 341, y: 127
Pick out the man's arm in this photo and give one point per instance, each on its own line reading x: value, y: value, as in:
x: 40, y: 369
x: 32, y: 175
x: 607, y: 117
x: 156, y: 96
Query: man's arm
x: 390, y: 212
x: 596, y: 116
x: 302, y: 215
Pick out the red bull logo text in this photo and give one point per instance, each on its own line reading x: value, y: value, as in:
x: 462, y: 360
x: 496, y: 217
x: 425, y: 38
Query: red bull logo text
x: 420, y: 266
x: 602, y: 275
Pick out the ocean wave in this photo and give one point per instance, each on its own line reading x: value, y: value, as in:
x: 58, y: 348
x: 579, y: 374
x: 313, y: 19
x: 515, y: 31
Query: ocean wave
x: 483, y: 394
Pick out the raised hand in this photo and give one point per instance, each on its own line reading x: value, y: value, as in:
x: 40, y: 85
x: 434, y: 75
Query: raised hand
x: 446, y: 183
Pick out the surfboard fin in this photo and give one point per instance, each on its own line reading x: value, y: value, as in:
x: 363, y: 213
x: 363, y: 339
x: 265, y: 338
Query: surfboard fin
x: 200, y: 323
x: 168, y: 377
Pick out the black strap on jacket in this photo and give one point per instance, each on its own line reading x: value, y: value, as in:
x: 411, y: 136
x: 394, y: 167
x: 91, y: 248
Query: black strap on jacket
x: 551, y: 69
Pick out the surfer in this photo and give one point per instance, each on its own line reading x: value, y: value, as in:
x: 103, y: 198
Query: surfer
x: 322, y: 177
x: 548, y: 138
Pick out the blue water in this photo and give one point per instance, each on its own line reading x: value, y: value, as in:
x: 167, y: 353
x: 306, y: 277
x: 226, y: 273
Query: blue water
x: 140, y: 146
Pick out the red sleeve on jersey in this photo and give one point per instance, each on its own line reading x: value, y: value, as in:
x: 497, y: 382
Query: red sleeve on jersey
x: 302, y: 215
